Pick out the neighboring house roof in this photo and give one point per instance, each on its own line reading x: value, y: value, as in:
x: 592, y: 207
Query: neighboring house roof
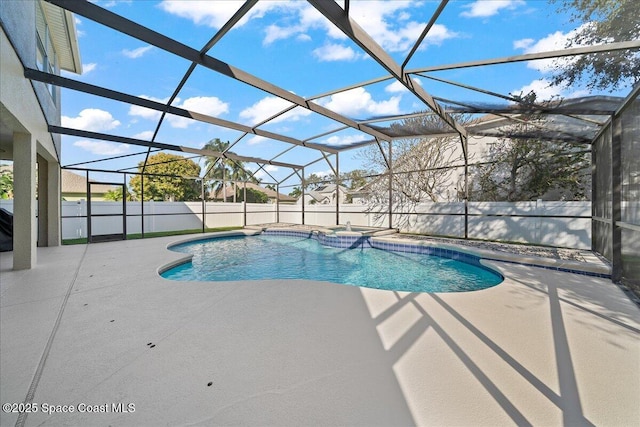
x: 63, y: 34
x: 271, y: 194
x: 74, y: 183
x: 318, y: 197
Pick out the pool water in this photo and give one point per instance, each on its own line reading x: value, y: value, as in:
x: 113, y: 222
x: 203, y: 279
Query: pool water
x: 283, y: 257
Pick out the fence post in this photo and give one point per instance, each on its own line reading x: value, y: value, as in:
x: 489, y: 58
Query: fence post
x: 540, y: 209
x: 82, y: 212
x: 153, y: 218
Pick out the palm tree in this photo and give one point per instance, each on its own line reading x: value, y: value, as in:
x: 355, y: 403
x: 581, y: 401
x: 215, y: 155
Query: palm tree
x: 222, y: 168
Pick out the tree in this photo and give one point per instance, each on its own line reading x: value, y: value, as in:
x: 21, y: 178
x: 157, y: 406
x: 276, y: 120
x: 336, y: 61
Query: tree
x: 419, y: 163
x: 520, y: 169
x: 296, y: 192
x: 601, y: 21
x: 253, y: 195
x: 6, y: 184
x: 356, y: 178
x: 177, y: 186
x: 530, y: 169
x: 116, y: 195
x: 314, y: 181
x: 223, y: 169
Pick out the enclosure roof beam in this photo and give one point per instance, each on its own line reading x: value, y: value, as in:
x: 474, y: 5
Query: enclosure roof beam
x: 609, y: 47
x: 556, y: 138
x: 503, y: 60
x: 398, y: 117
x: 133, y: 141
x: 158, y: 106
x: 335, y: 14
x: 228, y: 26
x: 505, y: 97
x: 122, y: 156
x: 140, y: 32
x: 426, y: 30
x: 516, y: 117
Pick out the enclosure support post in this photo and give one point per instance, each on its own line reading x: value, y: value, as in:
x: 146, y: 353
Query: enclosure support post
x: 244, y: 203
x: 337, y: 190
x: 277, y: 202
x: 390, y: 185
x: 204, y: 206
x: 302, y: 195
x: 465, y: 143
x: 616, y: 196
x: 124, y: 205
x: 88, y: 208
x: 142, y: 205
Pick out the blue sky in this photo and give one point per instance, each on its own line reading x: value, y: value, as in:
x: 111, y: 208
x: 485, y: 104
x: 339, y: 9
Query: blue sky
x: 291, y: 45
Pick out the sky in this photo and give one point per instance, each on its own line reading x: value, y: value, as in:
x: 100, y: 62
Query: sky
x: 294, y: 47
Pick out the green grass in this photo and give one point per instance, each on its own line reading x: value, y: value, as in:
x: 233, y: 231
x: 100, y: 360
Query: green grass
x: 134, y: 236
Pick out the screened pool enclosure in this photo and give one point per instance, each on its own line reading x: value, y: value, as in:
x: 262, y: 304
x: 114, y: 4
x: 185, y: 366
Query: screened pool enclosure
x: 432, y: 191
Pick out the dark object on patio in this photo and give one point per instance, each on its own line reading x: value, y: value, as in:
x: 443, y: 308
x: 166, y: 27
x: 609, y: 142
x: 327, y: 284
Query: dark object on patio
x: 6, y: 230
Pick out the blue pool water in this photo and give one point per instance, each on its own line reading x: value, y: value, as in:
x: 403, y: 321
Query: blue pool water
x: 285, y: 257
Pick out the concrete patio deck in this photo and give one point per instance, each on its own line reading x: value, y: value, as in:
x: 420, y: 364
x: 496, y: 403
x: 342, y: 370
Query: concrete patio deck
x: 95, y: 325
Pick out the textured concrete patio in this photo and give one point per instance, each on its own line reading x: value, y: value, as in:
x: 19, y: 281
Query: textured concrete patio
x: 95, y: 325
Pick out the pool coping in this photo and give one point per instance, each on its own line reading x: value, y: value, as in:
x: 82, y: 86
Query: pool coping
x: 590, y: 269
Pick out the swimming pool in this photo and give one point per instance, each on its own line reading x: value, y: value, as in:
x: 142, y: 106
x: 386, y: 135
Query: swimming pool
x: 273, y: 256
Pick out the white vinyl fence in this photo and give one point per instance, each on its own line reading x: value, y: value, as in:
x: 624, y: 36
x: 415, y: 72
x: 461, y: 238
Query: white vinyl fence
x: 563, y: 224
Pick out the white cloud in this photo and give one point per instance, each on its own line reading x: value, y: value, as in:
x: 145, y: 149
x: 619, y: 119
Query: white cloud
x: 91, y: 119
x: 335, y: 52
x: 390, y: 24
x: 438, y: 34
x: 136, y: 53
x: 269, y: 106
x: 216, y: 13
x: 261, y: 174
x: 256, y: 139
x: 112, y: 3
x: 147, y: 113
x: 102, y: 148
x: 87, y: 68
x: 146, y: 135
x: 486, y: 8
x: 397, y: 87
x: 553, y: 41
x: 358, y: 101
x: 79, y: 32
x: 213, y: 14
x: 545, y: 92
x: 523, y: 44
x: 275, y: 32
x: 542, y: 88
x: 208, y: 105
